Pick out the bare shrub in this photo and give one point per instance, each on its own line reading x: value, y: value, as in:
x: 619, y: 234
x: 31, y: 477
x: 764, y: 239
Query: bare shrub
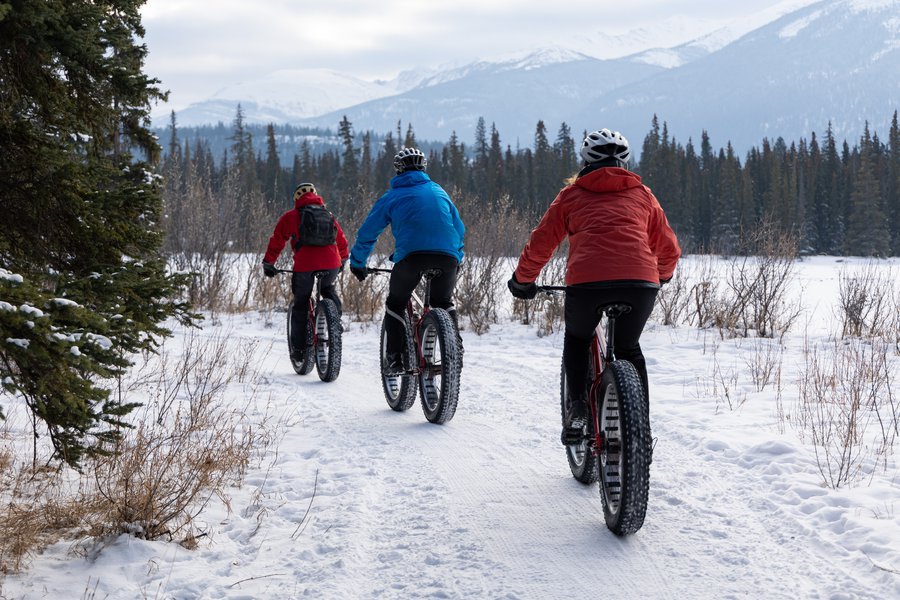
x: 363, y: 300
x: 35, y: 512
x: 845, y: 388
x: 764, y: 363
x: 492, y: 236
x: 707, y: 304
x: 866, y: 305
x: 673, y: 301
x: 547, y: 311
x: 187, y: 444
x: 218, y: 239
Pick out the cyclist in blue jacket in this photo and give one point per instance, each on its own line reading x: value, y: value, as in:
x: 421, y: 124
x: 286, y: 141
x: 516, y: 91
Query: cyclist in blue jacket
x: 428, y: 234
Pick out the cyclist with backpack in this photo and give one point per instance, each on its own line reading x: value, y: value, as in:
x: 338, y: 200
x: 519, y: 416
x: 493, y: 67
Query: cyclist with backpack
x: 319, y: 244
x: 428, y: 234
x: 621, y: 249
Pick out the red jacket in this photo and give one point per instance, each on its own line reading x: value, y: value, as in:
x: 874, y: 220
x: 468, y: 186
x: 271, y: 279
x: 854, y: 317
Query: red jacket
x: 617, y: 231
x: 306, y: 258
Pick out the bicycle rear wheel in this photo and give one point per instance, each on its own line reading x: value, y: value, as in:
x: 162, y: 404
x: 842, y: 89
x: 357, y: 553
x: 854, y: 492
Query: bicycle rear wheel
x: 328, y: 340
x: 439, y: 375
x: 625, y: 455
x: 305, y: 364
x: 582, y: 457
x: 399, y: 390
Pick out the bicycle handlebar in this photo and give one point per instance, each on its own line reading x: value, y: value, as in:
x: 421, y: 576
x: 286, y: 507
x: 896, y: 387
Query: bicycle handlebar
x: 551, y: 288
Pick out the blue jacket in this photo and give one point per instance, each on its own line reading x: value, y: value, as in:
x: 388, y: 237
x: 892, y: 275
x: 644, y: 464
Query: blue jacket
x: 422, y: 218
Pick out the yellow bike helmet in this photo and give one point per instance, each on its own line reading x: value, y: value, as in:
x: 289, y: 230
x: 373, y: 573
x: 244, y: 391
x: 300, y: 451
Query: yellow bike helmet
x: 303, y: 188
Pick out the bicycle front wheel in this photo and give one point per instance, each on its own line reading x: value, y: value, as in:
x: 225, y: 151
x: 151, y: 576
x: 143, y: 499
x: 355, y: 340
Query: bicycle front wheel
x: 328, y: 340
x: 305, y: 364
x: 625, y: 455
x: 439, y: 375
x: 399, y: 390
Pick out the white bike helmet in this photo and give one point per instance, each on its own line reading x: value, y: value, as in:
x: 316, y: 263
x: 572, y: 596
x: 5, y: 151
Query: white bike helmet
x: 409, y: 159
x: 605, y: 144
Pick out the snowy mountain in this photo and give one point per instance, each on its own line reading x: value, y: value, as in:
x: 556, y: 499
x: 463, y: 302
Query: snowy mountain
x: 786, y: 71
x: 834, y: 61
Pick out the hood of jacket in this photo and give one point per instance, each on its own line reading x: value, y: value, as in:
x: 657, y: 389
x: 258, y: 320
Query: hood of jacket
x: 608, y: 179
x: 307, y: 199
x: 409, y: 179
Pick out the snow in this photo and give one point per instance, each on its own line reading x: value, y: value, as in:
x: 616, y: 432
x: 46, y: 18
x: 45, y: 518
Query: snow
x: 65, y: 302
x: 11, y: 277
x: 363, y: 502
x: 792, y: 29
x: 20, y: 342
x: 32, y: 311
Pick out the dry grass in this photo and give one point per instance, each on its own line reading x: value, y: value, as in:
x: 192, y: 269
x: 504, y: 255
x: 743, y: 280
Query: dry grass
x: 187, y: 445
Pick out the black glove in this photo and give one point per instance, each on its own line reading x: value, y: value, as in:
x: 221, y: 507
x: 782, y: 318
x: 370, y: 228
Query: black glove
x: 663, y: 282
x: 359, y: 272
x: 523, y: 291
x: 269, y: 269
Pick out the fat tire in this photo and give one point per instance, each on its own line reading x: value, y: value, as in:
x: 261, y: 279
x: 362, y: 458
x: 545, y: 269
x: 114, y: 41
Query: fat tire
x: 583, y: 458
x: 624, y: 477
x: 440, y: 358
x: 328, y: 340
x: 399, y: 390
x: 301, y: 367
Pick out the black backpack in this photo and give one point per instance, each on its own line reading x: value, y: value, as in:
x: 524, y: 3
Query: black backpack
x: 317, y: 226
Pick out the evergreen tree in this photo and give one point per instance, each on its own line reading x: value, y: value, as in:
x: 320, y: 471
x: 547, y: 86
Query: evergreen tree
x: 546, y: 185
x: 349, y: 164
x: 79, y: 249
x: 892, y: 185
x: 867, y: 233
x: 566, y: 157
x: 273, y: 186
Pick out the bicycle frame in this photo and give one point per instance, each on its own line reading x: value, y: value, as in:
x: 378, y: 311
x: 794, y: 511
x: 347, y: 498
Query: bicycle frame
x: 601, y: 354
x: 314, y: 298
x: 423, y: 304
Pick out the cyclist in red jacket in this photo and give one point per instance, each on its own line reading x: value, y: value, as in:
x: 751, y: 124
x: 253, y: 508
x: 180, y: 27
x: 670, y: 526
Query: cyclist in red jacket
x: 307, y: 260
x: 621, y: 249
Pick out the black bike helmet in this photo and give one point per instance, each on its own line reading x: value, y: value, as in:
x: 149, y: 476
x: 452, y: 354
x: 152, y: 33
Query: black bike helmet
x: 409, y: 159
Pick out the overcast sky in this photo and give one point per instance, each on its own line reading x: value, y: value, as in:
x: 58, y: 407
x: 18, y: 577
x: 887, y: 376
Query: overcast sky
x: 199, y: 46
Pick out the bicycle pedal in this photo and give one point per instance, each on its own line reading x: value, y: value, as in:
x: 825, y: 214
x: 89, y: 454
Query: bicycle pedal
x: 574, y: 434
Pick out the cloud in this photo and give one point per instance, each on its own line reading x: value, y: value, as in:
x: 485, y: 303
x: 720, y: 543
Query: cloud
x: 197, y: 46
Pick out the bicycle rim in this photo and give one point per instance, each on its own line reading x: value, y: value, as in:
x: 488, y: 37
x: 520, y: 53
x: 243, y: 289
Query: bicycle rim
x: 439, y: 375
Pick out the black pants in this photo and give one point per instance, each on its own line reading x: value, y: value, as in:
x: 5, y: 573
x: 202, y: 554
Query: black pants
x: 405, y: 277
x: 302, y: 287
x: 582, y: 304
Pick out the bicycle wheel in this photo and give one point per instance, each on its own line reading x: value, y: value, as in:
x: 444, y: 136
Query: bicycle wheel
x: 399, y: 390
x: 305, y: 365
x: 582, y: 458
x: 439, y: 375
x: 328, y: 340
x: 625, y: 456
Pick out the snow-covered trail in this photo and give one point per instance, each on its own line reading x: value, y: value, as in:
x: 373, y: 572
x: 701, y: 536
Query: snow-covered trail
x: 485, y: 507
x: 364, y: 502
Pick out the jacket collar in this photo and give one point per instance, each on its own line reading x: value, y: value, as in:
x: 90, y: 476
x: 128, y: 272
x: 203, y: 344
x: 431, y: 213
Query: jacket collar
x: 307, y: 199
x: 409, y: 178
x: 608, y: 179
